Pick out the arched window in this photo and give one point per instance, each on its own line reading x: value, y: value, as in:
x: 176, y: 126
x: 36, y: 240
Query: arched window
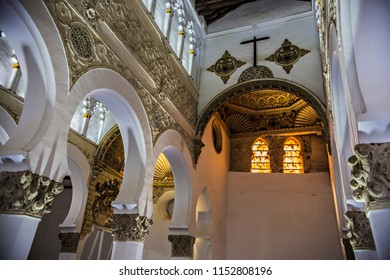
x: 292, y: 160
x: 260, y: 159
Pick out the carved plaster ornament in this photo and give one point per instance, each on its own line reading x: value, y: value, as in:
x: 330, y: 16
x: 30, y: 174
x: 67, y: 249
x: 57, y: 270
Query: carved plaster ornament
x: 255, y: 72
x: 287, y: 55
x: 69, y: 241
x: 371, y: 174
x: 27, y: 193
x: 359, y: 230
x: 182, y: 245
x: 225, y: 66
x: 130, y: 227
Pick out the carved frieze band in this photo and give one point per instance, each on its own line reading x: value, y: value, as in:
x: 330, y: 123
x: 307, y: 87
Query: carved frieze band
x: 182, y: 245
x: 371, y: 174
x: 69, y: 241
x: 27, y: 193
x: 85, y: 50
x: 130, y: 227
x: 359, y: 230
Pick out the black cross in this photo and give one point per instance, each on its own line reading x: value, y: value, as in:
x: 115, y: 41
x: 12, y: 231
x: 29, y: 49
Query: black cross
x: 254, y: 47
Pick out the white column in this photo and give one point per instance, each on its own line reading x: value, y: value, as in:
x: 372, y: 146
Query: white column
x: 191, y: 55
x: 102, y: 116
x: 168, y: 19
x: 129, y: 231
x: 16, y: 74
x: 180, y: 38
x: 22, y: 208
x: 127, y: 250
x: 380, y: 226
x: 152, y: 6
x: 17, y: 235
x: 87, y: 114
x: 202, y: 248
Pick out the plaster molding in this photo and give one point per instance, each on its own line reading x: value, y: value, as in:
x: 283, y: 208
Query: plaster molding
x: 27, y: 193
x: 130, y: 227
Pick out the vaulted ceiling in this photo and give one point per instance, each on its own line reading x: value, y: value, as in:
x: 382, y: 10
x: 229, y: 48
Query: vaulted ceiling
x: 270, y: 111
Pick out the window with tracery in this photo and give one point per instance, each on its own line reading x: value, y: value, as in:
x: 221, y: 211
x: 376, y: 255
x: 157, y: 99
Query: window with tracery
x: 292, y: 160
x: 260, y: 162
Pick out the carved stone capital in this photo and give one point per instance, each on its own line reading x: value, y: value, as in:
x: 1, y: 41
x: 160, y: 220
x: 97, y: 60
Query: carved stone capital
x: 130, y: 227
x: 359, y: 230
x: 182, y: 245
x: 69, y: 241
x: 371, y: 173
x: 27, y: 193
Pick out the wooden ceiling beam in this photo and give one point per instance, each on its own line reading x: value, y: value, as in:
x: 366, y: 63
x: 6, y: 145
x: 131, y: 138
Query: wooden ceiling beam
x: 216, y: 4
x: 213, y: 7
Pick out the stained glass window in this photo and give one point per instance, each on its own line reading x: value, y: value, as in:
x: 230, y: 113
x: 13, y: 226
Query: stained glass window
x: 260, y: 159
x: 292, y: 160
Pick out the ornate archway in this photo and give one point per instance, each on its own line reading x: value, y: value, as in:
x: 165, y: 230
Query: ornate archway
x: 290, y: 92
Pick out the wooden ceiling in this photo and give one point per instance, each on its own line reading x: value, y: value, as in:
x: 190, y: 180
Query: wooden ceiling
x: 213, y: 10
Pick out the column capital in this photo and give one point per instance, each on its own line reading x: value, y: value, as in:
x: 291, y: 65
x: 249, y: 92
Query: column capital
x: 27, y: 193
x: 69, y: 241
x: 130, y: 227
x: 359, y: 230
x: 182, y: 245
x: 371, y: 174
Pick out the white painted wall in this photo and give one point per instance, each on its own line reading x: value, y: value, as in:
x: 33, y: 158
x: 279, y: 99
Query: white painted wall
x: 281, y: 216
x: 299, y: 30
x: 211, y: 172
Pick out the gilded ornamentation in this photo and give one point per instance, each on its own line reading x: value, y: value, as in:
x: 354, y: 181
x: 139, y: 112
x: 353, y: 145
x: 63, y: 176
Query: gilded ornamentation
x: 111, y: 150
x: 81, y: 41
x: 27, y: 193
x: 370, y: 172
x: 287, y: 55
x: 104, y: 196
x: 359, y: 230
x: 182, y: 245
x: 69, y: 241
x: 255, y: 72
x: 333, y: 11
x: 225, y: 66
x: 259, y: 85
x: 130, y: 227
